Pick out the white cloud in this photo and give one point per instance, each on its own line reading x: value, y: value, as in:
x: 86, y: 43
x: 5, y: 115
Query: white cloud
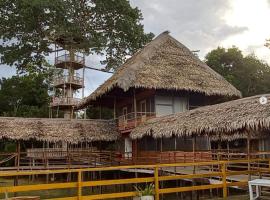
x: 197, y: 24
x: 254, y: 15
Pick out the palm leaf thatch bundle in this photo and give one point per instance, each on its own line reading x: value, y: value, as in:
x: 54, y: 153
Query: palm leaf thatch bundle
x: 167, y: 64
x: 226, y: 121
x: 54, y: 130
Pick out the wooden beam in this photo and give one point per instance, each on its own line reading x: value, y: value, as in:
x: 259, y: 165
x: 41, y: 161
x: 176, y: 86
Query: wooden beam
x: 248, y: 154
x: 114, y: 107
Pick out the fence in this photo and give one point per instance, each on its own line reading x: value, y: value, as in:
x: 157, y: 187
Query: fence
x: 223, y: 172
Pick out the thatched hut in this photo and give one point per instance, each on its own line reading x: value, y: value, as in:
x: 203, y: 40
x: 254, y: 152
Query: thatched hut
x: 163, y: 78
x: 164, y: 64
x: 50, y: 139
x: 229, y: 121
x: 57, y: 130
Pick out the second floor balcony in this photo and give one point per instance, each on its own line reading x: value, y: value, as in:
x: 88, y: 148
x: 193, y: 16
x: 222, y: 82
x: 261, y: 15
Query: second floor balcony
x: 131, y: 120
x: 64, y: 102
x: 75, y: 81
x: 65, y: 61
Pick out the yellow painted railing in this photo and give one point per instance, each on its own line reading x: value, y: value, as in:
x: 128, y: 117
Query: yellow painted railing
x: 221, y: 171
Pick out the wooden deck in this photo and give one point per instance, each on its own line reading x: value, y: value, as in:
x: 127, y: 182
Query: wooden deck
x: 220, y: 178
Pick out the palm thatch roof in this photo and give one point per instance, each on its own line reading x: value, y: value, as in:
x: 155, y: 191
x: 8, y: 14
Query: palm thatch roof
x: 226, y: 121
x: 54, y: 130
x: 165, y: 63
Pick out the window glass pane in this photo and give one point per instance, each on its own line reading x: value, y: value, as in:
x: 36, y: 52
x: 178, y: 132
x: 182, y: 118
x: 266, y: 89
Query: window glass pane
x: 162, y: 110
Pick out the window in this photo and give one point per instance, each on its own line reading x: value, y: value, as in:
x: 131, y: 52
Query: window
x: 166, y: 105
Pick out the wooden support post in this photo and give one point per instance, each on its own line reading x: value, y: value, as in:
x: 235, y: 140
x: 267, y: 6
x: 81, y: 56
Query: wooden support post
x: 161, y: 149
x: 248, y: 154
x: 194, y: 151
x: 114, y: 108
x: 79, y: 185
x: 18, y: 155
x: 228, y: 150
x: 224, y: 180
x: 17, y: 163
x: 193, y: 193
x: 83, y: 87
x: 219, y: 148
x: 156, y: 184
x: 100, y: 111
x: 135, y: 106
x: 194, y: 147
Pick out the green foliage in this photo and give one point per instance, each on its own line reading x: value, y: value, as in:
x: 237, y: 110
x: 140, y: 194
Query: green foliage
x: 247, y: 73
x: 99, y: 113
x: 24, y: 96
x: 147, y: 191
x: 28, y: 28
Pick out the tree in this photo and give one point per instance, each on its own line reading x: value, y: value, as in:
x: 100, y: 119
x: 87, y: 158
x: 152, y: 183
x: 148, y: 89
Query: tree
x: 24, y: 96
x: 247, y: 73
x: 29, y: 28
x: 99, y: 113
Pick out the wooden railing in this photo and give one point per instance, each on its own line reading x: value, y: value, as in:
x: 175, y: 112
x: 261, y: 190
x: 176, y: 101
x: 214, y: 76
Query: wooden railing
x: 64, y: 101
x: 131, y: 120
x: 73, y: 158
x: 221, y: 173
x: 67, y: 58
x: 59, y: 80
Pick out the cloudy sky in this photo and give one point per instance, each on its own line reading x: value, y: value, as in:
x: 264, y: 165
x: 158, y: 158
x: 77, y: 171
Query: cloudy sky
x: 200, y: 25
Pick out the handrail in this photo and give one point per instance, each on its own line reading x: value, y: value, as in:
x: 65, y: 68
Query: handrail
x: 132, y: 119
x: 68, y: 79
x: 65, y: 101
x: 67, y: 58
x: 221, y: 174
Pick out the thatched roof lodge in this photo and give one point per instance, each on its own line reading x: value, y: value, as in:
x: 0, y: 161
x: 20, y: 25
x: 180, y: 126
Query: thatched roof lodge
x: 165, y: 64
x: 56, y: 130
x: 226, y: 121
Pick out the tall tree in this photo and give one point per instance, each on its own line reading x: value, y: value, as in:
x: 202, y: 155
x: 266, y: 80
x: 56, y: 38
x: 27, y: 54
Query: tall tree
x: 24, y: 96
x: 29, y: 28
x: 247, y: 73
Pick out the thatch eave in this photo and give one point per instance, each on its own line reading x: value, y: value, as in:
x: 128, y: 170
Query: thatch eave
x: 226, y: 121
x: 165, y: 63
x: 57, y: 130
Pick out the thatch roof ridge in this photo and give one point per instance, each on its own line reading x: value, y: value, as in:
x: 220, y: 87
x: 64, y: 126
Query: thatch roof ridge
x: 165, y: 63
x: 56, y: 129
x: 228, y: 121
